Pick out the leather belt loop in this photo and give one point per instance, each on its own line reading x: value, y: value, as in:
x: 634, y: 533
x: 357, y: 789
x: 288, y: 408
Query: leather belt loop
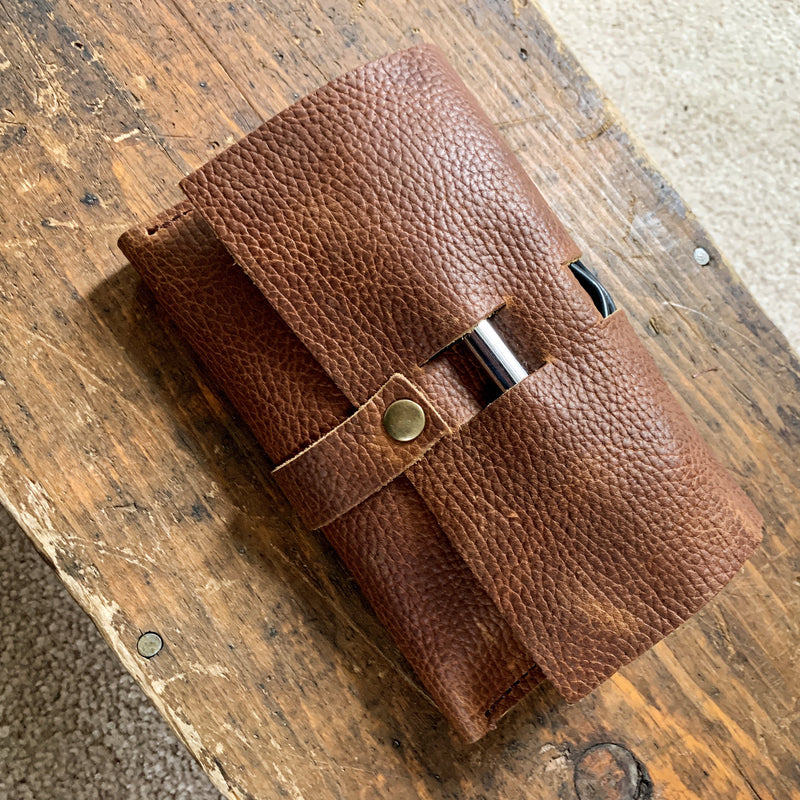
x: 358, y: 457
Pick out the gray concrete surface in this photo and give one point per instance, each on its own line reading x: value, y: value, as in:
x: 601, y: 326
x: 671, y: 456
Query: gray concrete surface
x: 710, y: 88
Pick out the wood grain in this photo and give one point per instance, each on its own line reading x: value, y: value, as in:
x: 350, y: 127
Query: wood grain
x: 132, y: 475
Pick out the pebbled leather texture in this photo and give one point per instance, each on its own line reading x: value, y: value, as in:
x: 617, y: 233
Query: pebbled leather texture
x: 383, y: 217
x: 447, y: 627
x: 624, y: 524
x: 343, y: 247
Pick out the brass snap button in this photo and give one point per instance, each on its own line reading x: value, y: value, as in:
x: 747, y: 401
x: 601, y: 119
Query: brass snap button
x: 404, y: 420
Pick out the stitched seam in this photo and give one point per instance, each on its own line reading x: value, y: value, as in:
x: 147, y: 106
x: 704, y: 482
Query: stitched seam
x: 157, y: 228
x: 489, y: 711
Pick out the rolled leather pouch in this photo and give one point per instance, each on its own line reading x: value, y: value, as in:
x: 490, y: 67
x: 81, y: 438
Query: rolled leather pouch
x: 329, y: 265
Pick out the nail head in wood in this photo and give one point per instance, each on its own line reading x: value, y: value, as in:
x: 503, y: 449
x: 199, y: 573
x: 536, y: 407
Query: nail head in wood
x: 149, y: 644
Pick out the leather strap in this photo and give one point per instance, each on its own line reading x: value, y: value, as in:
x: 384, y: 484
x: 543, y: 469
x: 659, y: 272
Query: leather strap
x: 357, y: 458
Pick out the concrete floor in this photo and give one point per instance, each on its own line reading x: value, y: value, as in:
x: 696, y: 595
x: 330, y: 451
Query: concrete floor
x: 710, y: 88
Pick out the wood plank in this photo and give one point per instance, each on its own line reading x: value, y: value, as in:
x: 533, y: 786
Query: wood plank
x: 133, y: 476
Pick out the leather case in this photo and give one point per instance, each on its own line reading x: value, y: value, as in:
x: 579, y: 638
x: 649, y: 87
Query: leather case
x: 329, y: 264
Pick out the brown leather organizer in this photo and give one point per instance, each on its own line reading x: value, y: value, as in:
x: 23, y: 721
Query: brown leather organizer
x: 330, y: 264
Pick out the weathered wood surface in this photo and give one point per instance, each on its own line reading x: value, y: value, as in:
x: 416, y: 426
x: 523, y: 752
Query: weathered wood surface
x: 131, y: 474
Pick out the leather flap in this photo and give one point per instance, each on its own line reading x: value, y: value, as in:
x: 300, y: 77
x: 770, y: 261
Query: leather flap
x: 383, y: 216
x: 588, y: 507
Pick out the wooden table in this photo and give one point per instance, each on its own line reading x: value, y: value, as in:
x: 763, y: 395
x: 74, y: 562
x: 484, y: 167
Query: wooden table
x: 135, y: 479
